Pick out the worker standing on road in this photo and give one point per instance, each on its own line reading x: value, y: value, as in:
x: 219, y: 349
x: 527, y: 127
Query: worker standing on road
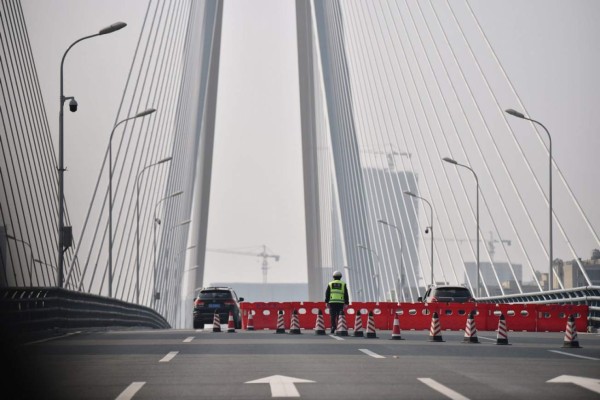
x: 336, y: 298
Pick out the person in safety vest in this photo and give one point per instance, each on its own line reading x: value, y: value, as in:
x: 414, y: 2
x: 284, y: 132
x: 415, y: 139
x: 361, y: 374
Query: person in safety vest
x: 336, y: 298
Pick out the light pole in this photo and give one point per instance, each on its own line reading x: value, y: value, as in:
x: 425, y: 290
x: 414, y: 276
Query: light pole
x: 29, y: 267
x: 427, y: 229
x: 137, y: 225
x: 64, y: 236
x: 110, y: 194
x: 452, y: 161
x: 157, y: 221
x: 520, y: 115
x: 375, y: 276
x: 384, y: 222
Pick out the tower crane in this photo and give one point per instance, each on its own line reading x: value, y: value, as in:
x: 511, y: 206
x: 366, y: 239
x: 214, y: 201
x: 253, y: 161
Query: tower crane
x: 390, y: 156
x: 262, y: 252
x: 491, y: 247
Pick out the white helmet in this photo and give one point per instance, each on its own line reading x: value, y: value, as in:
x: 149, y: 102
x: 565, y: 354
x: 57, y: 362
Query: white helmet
x: 337, y: 274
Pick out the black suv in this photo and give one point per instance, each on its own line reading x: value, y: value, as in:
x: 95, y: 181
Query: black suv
x: 447, y: 294
x: 221, y: 300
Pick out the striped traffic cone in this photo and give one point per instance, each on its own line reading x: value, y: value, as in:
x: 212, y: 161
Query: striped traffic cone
x: 358, y: 326
x: 320, y: 324
x: 230, y: 323
x: 216, y: 323
x: 470, y: 329
x: 371, y: 327
x: 396, y: 328
x: 435, y: 333
x: 502, y: 336
x: 280, y: 323
x: 250, y: 323
x: 294, y: 325
x: 342, y: 328
x: 571, y: 334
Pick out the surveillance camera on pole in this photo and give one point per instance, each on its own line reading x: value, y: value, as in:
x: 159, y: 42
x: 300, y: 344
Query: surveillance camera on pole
x: 73, y: 105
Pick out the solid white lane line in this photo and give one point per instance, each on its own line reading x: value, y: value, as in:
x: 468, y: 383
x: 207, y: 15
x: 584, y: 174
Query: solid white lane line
x: 169, y: 356
x: 486, y: 338
x: 446, y: 391
x: 575, y: 355
x: 336, y: 337
x: 53, y: 338
x: 187, y: 340
x: 131, y: 390
x: 370, y: 353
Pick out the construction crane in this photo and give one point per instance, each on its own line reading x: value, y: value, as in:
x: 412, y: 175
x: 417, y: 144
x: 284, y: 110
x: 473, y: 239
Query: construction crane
x: 264, y: 253
x: 390, y: 156
x: 491, y: 247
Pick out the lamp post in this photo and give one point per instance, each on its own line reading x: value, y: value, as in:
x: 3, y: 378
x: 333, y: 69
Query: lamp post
x: 63, y: 244
x: 29, y: 267
x: 451, y: 161
x: 520, y: 115
x: 384, y: 222
x: 375, y: 276
x: 157, y: 221
x: 429, y: 228
x: 137, y: 224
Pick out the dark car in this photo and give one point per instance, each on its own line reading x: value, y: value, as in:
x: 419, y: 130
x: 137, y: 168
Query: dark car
x: 447, y: 294
x: 221, y: 300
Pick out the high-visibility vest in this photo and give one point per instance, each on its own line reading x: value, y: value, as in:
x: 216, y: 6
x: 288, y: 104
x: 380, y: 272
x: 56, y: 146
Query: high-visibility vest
x: 336, y: 291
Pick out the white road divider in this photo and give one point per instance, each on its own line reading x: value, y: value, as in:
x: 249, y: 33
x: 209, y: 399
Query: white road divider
x: 370, y: 353
x: 169, y: 356
x: 131, y: 390
x: 446, y: 391
x: 189, y: 339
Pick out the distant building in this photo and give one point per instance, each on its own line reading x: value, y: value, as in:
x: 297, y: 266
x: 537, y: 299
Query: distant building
x: 259, y: 292
x: 502, y: 274
x: 571, y: 275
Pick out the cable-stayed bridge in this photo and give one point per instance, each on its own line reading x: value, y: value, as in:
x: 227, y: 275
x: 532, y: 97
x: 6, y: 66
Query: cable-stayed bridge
x: 387, y: 91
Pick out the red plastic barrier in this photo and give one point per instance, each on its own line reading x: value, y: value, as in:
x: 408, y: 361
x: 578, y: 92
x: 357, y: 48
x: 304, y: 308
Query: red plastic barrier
x: 519, y: 317
x: 554, y: 317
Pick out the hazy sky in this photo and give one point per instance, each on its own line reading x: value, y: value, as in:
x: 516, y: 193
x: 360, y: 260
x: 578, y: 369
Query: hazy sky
x: 548, y: 48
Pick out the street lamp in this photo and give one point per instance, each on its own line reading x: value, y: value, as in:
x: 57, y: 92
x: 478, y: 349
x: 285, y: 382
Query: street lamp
x: 110, y: 194
x: 375, y: 276
x: 157, y: 221
x: 137, y: 227
x: 451, y: 161
x: 384, y: 222
x: 520, y: 115
x: 29, y: 267
x: 64, y: 236
x: 427, y: 229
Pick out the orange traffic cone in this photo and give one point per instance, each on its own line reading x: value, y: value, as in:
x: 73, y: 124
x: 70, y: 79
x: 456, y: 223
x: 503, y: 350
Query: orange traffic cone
x: 435, y: 333
x: 371, y: 327
x: 320, y: 324
x: 470, y: 329
x: 230, y: 323
x: 342, y: 328
x: 216, y: 323
x: 358, y: 326
x: 294, y: 325
x: 502, y: 337
x: 280, y: 323
x: 396, y: 328
x: 250, y: 323
x: 571, y: 334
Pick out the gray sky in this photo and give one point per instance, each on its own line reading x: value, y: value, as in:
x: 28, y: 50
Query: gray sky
x: 548, y: 48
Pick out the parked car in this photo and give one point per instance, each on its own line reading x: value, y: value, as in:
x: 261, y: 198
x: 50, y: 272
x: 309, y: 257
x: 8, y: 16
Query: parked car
x: 447, y: 294
x: 221, y: 300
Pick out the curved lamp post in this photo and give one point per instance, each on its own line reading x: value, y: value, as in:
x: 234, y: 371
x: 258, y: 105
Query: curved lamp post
x: 384, y: 222
x: 451, y: 161
x: 63, y: 240
x: 375, y: 276
x: 522, y: 116
x: 110, y: 194
x: 429, y: 228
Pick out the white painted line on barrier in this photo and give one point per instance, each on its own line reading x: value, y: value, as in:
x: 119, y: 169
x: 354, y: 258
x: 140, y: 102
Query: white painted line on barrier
x: 370, y: 353
x: 189, y: 339
x: 574, y: 355
x: 336, y: 337
x: 131, y: 390
x: 446, y: 391
x: 169, y: 356
x: 53, y: 338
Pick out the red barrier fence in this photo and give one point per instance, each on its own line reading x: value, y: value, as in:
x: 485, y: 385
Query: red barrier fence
x: 417, y: 316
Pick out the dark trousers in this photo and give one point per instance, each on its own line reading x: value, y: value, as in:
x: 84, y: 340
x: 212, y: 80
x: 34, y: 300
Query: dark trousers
x: 334, y: 312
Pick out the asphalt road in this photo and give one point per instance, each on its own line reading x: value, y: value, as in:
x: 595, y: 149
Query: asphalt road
x: 196, y: 364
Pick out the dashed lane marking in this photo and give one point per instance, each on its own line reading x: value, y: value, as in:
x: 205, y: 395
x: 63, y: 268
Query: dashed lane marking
x: 487, y: 338
x: 169, y: 356
x: 370, y: 353
x: 574, y: 355
x: 189, y: 339
x: 336, y: 337
x: 446, y: 391
x: 131, y: 390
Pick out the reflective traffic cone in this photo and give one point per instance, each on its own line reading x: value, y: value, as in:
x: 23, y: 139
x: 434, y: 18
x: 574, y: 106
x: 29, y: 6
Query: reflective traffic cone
x: 396, y: 328
x: 435, y: 333
x: 280, y: 323
x: 358, y: 326
x: 371, y: 327
x: 342, y: 328
x: 216, y: 323
x: 470, y: 329
x: 320, y: 324
x: 502, y: 336
x: 294, y: 325
x: 250, y: 323
x: 571, y: 334
x: 230, y: 323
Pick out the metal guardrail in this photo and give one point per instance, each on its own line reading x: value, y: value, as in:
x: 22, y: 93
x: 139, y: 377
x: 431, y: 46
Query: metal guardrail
x: 588, y: 295
x: 37, y: 309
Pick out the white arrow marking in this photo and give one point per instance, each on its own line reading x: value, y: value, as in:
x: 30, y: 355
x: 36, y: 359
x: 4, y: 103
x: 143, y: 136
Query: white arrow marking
x: 282, y: 386
x: 587, y: 383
